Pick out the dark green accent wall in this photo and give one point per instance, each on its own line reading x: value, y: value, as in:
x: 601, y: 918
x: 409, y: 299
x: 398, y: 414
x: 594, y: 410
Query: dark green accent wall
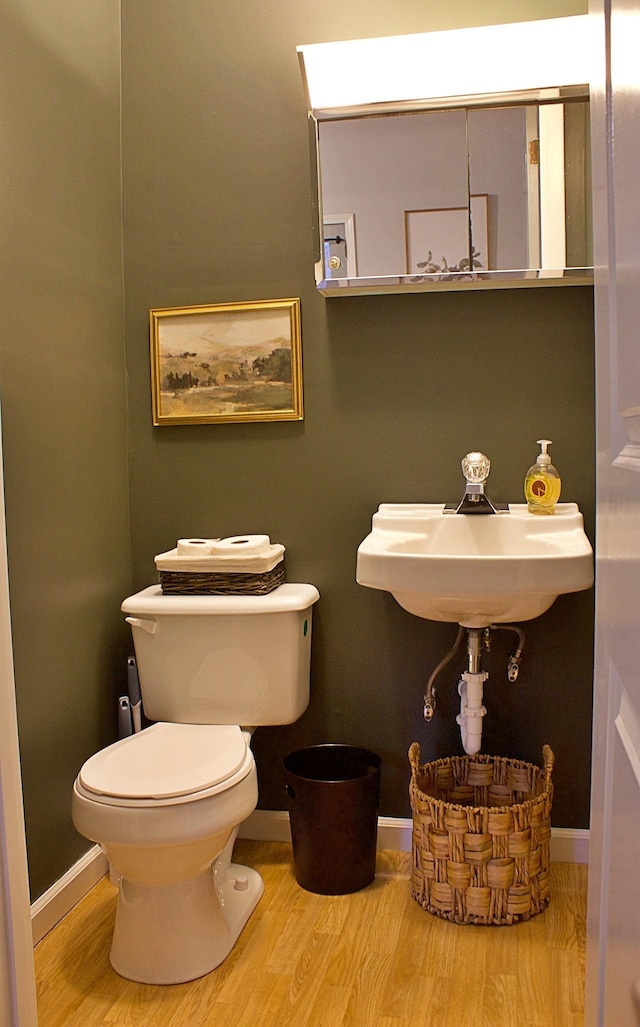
x: 63, y: 394
x: 397, y: 389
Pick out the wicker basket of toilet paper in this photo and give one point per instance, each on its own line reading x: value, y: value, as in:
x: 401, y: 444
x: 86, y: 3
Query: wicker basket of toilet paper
x: 242, y: 564
x: 481, y: 832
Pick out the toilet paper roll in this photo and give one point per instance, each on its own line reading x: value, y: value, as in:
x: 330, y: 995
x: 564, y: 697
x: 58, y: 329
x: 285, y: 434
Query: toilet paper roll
x: 195, y: 546
x: 241, y: 545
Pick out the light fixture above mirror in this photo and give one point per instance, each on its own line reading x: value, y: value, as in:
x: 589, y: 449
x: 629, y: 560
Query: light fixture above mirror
x: 455, y: 159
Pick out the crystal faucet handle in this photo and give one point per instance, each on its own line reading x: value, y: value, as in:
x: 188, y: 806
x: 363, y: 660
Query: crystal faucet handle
x: 476, y: 467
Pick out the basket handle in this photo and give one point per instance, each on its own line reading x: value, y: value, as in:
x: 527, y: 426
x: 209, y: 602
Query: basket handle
x: 414, y: 758
x: 549, y: 760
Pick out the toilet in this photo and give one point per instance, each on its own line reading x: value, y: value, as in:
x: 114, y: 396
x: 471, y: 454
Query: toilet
x: 166, y: 803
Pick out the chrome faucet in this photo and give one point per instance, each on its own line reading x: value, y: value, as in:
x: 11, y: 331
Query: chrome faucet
x: 476, y: 467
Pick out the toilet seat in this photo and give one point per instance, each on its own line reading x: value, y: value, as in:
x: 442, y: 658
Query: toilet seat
x: 167, y: 764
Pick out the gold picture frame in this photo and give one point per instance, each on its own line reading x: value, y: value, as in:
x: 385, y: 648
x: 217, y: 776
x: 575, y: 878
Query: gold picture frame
x: 226, y: 362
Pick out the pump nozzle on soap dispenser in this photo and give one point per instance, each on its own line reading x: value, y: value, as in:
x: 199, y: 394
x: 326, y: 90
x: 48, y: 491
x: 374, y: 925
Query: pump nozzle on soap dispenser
x: 542, y: 483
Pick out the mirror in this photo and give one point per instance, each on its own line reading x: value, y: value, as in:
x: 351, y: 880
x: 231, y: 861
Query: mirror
x: 458, y: 197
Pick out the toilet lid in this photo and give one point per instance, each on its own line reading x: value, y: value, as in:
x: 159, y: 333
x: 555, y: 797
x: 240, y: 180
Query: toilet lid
x: 166, y: 760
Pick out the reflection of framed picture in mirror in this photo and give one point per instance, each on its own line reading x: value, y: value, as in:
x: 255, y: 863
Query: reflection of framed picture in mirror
x: 437, y: 240
x: 228, y: 362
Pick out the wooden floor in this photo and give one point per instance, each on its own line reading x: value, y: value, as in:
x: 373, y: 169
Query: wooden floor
x: 371, y: 959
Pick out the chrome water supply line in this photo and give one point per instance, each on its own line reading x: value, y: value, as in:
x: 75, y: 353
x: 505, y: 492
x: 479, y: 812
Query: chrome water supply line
x: 430, y: 693
x: 513, y: 667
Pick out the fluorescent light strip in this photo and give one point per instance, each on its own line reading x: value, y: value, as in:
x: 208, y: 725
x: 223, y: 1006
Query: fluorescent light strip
x: 458, y: 62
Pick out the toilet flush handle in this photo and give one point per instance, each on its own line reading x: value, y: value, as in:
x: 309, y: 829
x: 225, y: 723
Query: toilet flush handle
x: 147, y: 625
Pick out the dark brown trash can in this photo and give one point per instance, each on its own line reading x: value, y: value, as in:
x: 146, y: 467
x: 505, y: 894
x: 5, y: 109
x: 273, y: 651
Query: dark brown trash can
x: 334, y: 795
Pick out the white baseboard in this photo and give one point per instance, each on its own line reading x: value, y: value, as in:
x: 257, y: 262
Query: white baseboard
x: 567, y: 846
x: 62, y: 896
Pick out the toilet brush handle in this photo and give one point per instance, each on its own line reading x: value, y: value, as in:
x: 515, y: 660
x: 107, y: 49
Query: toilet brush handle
x: 135, y: 696
x: 133, y: 681
x: 125, y: 726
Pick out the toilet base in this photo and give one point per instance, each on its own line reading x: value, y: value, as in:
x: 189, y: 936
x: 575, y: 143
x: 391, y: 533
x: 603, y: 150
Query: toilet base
x: 177, y: 932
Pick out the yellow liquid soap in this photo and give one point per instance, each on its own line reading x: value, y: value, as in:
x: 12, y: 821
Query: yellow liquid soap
x: 542, y: 492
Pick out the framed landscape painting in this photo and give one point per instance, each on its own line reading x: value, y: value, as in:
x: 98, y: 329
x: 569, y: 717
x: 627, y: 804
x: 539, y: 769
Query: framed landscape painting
x: 228, y: 362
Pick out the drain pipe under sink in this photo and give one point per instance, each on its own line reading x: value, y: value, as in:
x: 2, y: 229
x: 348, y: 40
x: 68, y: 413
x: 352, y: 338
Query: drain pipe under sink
x: 470, y: 686
x: 471, y: 711
x: 470, y: 689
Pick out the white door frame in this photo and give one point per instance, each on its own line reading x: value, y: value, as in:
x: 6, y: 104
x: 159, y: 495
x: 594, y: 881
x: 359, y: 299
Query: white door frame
x: 17, y: 978
x: 613, y: 920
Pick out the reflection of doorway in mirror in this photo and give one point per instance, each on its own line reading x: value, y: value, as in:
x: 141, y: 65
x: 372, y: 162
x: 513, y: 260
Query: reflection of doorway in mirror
x: 339, y: 246
x: 438, y: 240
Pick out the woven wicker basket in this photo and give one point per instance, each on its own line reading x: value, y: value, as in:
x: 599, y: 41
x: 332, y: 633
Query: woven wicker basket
x: 194, y: 583
x: 481, y: 830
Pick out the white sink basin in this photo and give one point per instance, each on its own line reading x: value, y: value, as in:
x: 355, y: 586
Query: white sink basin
x: 475, y: 569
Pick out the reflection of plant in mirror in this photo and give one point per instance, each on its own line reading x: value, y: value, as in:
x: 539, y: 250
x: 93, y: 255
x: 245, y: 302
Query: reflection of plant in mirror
x: 447, y: 272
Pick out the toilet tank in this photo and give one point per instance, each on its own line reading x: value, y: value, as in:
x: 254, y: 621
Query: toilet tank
x: 232, y: 659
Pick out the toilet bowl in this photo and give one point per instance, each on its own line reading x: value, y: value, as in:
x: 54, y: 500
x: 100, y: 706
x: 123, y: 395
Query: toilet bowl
x: 165, y: 804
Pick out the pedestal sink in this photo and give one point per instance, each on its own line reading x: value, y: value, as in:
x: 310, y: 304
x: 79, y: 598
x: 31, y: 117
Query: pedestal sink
x: 475, y: 570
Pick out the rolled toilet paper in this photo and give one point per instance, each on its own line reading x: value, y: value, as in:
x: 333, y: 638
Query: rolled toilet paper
x: 241, y: 545
x: 195, y: 546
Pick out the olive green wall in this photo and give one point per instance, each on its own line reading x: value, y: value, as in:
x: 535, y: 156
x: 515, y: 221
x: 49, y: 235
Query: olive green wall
x: 62, y: 386
x: 397, y: 389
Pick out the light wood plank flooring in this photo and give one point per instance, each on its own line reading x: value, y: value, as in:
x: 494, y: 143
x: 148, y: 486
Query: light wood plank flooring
x: 371, y: 959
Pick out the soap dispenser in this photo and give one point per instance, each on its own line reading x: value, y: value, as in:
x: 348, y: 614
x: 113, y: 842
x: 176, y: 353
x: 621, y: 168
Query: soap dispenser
x: 542, y: 483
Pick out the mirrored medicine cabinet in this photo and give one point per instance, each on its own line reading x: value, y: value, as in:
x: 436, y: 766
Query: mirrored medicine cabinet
x: 487, y: 191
